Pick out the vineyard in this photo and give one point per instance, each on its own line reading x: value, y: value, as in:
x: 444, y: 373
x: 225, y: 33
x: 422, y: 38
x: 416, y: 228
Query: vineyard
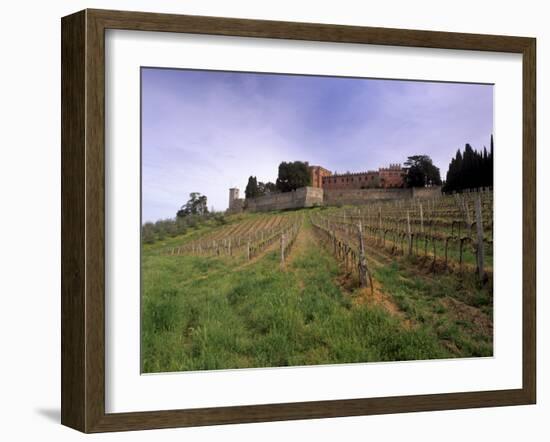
x: 399, y: 280
x: 448, y: 233
x: 249, y: 238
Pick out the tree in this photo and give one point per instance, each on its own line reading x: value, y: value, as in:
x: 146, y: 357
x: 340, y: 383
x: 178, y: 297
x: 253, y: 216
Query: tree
x: 293, y: 175
x: 148, y: 233
x: 252, y: 190
x: 266, y: 188
x: 181, y: 225
x: 255, y: 188
x: 196, y: 205
x: 421, y: 172
x: 490, y: 164
x: 470, y: 170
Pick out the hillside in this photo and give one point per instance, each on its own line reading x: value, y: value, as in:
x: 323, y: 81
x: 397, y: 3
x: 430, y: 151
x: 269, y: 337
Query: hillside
x: 284, y: 288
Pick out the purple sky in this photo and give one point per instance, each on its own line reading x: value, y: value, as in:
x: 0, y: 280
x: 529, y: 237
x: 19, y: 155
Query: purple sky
x: 205, y: 131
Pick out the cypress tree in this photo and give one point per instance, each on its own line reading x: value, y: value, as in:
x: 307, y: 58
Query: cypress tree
x: 470, y: 170
x: 251, y: 190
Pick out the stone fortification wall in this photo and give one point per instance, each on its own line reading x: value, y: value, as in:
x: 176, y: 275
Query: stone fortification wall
x: 427, y: 192
x: 314, y: 196
x: 303, y: 197
x: 340, y: 197
x: 236, y: 205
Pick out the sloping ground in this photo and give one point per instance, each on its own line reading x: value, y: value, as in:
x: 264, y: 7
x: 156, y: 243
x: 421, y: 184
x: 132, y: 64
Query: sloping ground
x: 454, y: 308
x: 307, y: 242
x: 459, y: 312
x: 211, y: 313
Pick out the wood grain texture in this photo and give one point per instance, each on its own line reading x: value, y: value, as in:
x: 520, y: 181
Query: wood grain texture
x: 95, y: 221
x: 83, y: 220
x: 529, y: 221
x: 73, y: 252
x: 145, y: 21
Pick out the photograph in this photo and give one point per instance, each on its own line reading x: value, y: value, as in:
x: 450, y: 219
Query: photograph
x: 303, y: 220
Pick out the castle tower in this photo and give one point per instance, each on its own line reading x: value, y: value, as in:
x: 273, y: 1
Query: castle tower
x: 233, y: 196
x: 317, y: 174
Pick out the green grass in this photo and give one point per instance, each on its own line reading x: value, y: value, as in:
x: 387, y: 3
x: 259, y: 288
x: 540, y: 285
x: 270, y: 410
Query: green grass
x: 425, y: 300
x: 216, y: 313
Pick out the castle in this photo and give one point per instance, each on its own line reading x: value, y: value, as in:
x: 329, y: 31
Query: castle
x: 331, y: 189
x: 392, y: 177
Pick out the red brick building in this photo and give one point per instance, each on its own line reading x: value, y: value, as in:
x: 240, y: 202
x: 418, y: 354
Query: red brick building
x: 318, y: 174
x: 351, y: 180
x: 392, y: 177
x: 384, y: 178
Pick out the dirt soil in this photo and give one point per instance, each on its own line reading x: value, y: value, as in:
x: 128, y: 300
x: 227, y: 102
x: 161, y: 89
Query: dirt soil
x: 348, y: 282
x: 481, y: 323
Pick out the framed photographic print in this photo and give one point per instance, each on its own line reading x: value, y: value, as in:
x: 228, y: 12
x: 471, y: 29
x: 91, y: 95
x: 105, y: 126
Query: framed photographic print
x: 270, y: 220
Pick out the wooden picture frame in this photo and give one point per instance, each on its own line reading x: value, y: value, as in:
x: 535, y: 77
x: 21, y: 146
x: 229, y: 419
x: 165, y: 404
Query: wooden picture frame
x: 83, y: 220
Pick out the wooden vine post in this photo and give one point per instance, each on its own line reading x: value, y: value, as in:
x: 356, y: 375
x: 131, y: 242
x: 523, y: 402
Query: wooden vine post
x: 467, y: 210
x: 380, y: 224
x: 283, y: 241
x: 480, y: 251
x: 363, y: 269
x: 409, y: 234
x: 421, y: 219
x: 248, y: 250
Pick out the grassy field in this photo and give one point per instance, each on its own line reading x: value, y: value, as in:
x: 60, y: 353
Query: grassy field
x: 225, y: 312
